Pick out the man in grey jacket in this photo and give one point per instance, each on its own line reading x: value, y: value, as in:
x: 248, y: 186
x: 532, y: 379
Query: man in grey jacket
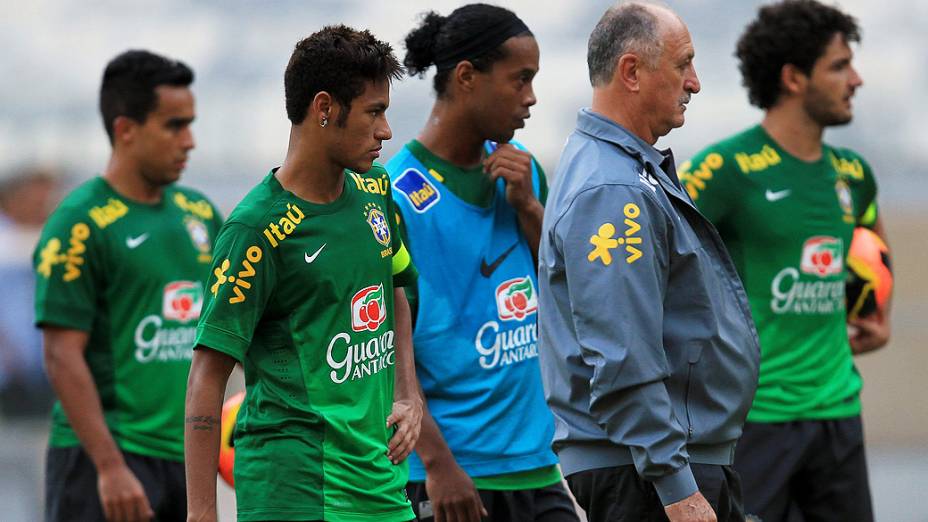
x: 649, y: 355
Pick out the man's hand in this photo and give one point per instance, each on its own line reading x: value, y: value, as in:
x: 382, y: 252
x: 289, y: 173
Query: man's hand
x: 869, y: 333
x: 122, y: 495
x: 452, y: 493
x: 694, y: 508
x: 515, y: 166
x: 407, y: 417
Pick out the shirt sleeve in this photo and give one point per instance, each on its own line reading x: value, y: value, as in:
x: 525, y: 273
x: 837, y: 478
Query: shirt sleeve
x: 616, y: 261
x: 866, y: 207
x: 542, y: 183
x: 404, y: 272
x: 69, y: 270
x: 707, y: 179
x: 240, y: 283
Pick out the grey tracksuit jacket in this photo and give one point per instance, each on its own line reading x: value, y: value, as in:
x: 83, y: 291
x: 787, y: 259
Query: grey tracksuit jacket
x: 648, y: 352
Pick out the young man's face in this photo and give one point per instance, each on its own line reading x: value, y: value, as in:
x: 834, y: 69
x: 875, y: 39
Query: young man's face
x: 832, y: 84
x: 504, y: 94
x: 356, y: 144
x: 667, y: 87
x: 162, y: 143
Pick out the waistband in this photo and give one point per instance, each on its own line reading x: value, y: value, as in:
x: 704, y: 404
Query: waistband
x: 583, y: 456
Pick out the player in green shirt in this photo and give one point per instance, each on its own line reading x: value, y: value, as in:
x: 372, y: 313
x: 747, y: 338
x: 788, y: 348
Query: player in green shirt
x: 120, y: 272
x: 786, y: 205
x: 304, y: 293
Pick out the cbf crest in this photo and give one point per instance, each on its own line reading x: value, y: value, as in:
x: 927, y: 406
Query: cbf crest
x: 378, y: 223
x: 199, y: 236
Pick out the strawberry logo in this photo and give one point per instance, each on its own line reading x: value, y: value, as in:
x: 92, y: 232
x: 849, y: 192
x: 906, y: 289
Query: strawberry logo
x: 822, y: 256
x: 368, y: 310
x: 183, y: 301
x: 516, y: 299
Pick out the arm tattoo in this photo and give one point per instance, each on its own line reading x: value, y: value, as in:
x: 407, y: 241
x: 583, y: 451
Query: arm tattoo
x: 203, y: 422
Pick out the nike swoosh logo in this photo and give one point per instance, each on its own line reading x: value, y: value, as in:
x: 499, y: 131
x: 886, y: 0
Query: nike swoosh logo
x: 487, y: 270
x: 133, y: 242
x: 311, y: 258
x: 776, y: 196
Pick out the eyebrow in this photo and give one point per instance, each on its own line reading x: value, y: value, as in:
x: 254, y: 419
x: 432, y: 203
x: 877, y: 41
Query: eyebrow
x: 180, y: 121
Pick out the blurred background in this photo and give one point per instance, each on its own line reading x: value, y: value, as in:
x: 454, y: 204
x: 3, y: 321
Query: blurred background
x: 51, y: 138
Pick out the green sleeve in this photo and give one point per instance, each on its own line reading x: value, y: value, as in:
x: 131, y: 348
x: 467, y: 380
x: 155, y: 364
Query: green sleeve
x: 404, y: 271
x: 240, y: 283
x: 867, y: 210
x: 69, y: 267
x: 708, y: 179
x: 542, y: 183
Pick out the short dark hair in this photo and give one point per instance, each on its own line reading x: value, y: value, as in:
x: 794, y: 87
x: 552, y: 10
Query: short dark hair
x: 790, y: 32
x: 340, y: 61
x: 439, y: 32
x: 623, y: 28
x: 129, y: 82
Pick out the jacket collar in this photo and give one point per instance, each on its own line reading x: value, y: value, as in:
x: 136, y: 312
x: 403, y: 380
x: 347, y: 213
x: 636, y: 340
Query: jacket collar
x: 601, y: 127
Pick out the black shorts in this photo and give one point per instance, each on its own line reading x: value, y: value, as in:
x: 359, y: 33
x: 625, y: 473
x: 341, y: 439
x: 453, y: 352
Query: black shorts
x: 71, y: 486
x: 619, y: 494
x: 547, y: 504
x: 805, y: 470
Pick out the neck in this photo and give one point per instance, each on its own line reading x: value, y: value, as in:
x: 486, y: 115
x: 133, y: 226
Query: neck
x: 308, y: 171
x: 449, y: 135
x: 124, y: 176
x: 619, y: 109
x: 794, y: 131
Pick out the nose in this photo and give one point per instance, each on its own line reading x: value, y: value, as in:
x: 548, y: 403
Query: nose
x: 855, y: 80
x: 383, y: 131
x: 530, y: 97
x: 187, y: 141
x: 691, y: 81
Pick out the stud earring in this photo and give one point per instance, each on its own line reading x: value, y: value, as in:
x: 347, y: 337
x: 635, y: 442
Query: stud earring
x: 325, y: 121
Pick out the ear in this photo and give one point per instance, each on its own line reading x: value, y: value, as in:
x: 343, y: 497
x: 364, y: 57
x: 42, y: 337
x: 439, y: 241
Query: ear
x: 628, y: 71
x: 465, y: 75
x: 792, y: 80
x: 124, y: 129
x: 323, y: 108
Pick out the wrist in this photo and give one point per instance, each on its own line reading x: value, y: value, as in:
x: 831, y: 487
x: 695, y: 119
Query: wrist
x: 109, y: 462
x: 528, y: 206
x: 437, y: 459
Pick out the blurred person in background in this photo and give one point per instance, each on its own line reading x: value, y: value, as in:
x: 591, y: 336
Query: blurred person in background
x: 648, y: 352
x: 120, y: 269
x: 786, y: 204
x: 485, y: 450
x: 27, y: 197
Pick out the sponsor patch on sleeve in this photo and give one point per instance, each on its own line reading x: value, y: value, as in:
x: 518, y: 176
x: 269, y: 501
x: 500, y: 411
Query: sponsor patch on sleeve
x: 417, y: 189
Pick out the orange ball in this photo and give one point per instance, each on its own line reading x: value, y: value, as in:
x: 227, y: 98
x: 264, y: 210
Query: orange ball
x: 870, y: 275
x: 226, y: 444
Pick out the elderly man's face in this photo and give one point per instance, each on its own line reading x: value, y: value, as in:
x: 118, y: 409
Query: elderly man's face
x: 666, y: 88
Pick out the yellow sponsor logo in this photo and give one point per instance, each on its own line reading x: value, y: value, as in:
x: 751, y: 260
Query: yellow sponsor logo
x: 370, y: 185
x: 276, y: 232
x: 604, y: 242
x: 241, y: 280
x: 108, y: 214
x: 758, y: 161
x: 200, y: 208
x: 50, y: 256
x: 696, y: 180
x: 75, y: 256
x: 853, y: 168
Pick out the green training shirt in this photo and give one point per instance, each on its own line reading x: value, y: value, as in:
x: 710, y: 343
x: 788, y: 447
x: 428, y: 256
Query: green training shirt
x: 788, y: 225
x: 132, y: 275
x: 302, y: 295
x: 476, y: 188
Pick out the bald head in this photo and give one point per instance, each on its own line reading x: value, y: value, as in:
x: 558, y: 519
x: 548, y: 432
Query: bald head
x: 628, y: 28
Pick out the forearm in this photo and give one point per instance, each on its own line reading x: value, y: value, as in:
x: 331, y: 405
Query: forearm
x: 73, y: 383
x: 530, y: 218
x: 202, y: 428
x: 405, y: 384
x: 431, y: 447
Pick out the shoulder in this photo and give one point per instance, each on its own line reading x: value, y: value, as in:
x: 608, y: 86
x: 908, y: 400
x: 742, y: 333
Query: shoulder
x: 84, y: 205
x: 849, y: 163
x: 400, y: 161
x: 253, y: 210
x: 191, y: 201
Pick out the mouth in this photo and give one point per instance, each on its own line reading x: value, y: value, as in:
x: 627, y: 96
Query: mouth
x: 375, y: 152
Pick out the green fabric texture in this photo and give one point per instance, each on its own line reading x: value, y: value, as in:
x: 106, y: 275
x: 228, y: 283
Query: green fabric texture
x: 302, y: 295
x: 132, y: 276
x: 788, y: 225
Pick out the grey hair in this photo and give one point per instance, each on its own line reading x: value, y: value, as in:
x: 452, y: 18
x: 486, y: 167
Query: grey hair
x: 624, y: 28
